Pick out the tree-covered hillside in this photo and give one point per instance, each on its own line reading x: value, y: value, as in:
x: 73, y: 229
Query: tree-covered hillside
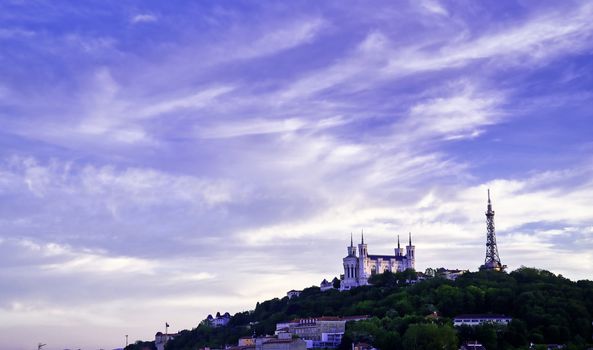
x: 545, y: 309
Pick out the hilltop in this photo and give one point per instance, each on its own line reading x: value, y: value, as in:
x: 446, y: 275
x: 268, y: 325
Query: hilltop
x: 545, y: 309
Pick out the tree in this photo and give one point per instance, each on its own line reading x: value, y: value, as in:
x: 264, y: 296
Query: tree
x: 429, y: 337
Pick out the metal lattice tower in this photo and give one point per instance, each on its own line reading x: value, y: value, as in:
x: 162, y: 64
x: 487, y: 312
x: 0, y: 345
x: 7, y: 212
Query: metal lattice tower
x: 492, y: 261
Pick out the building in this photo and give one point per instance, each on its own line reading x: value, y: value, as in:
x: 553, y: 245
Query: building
x: 293, y: 293
x: 246, y: 341
x: 283, y: 344
x: 318, y: 332
x: 219, y: 320
x: 362, y: 346
x: 472, y: 345
x: 282, y: 341
x: 358, y: 268
x: 160, y: 339
x: 325, y: 285
x: 475, y: 320
x: 450, y: 274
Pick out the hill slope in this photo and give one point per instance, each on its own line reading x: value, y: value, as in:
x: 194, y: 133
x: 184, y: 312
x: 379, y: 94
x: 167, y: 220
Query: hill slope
x: 545, y: 309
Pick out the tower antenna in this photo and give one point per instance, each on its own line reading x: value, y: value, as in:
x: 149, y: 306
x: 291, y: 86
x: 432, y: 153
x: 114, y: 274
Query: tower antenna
x: 492, y: 261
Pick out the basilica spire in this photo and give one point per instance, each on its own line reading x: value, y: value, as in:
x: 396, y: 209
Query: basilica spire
x: 410, y: 239
x: 362, y: 236
x: 351, y: 240
x: 398, y: 247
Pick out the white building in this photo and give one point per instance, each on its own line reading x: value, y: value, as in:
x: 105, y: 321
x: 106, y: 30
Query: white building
x: 293, y: 294
x: 160, y: 339
x: 358, y: 269
x: 318, y: 332
x: 475, y: 320
x: 219, y: 320
x: 325, y: 285
x: 451, y: 274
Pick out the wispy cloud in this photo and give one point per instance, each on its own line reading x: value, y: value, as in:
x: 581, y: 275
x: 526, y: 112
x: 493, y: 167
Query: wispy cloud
x: 282, y: 38
x: 463, y: 114
x: 197, y: 100
x: 143, y: 18
x: 12, y: 33
x: 113, y: 187
x: 261, y: 127
x: 541, y: 38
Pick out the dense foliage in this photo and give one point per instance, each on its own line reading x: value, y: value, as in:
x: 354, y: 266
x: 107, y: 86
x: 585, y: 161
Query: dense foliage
x: 545, y: 309
x: 141, y: 345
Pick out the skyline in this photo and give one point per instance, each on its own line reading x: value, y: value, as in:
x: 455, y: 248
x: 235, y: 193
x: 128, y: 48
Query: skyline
x: 160, y: 162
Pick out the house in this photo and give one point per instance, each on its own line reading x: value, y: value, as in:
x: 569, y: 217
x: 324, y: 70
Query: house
x: 325, y: 285
x: 219, y: 320
x: 283, y: 341
x: 450, y: 274
x: 318, y: 332
x: 548, y: 346
x: 246, y: 341
x: 160, y: 339
x: 475, y: 320
x: 293, y: 293
x: 283, y: 344
x: 472, y: 345
x: 362, y: 346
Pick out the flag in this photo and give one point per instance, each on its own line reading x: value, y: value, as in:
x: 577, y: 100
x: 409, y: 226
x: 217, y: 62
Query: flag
x: 166, y: 324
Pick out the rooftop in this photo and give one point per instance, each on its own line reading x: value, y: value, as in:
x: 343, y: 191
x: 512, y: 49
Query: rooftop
x: 482, y: 316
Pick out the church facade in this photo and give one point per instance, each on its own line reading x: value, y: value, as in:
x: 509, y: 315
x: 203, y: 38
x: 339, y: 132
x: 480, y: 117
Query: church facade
x: 358, y: 268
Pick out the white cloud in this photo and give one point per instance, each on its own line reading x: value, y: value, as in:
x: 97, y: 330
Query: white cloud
x: 143, y: 18
x: 463, y: 114
x: 197, y: 100
x: 114, y: 188
x: 541, y: 38
x: 280, y: 39
x: 261, y: 126
x: 12, y: 33
x: 378, y: 59
x: 433, y: 6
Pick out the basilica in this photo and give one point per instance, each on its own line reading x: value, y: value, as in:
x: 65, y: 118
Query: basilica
x: 358, y: 269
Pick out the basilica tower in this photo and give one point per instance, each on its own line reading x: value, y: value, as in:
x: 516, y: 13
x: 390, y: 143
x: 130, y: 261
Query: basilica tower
x: 410, y: 252
x: 350, y: 267
x: 363, y: 255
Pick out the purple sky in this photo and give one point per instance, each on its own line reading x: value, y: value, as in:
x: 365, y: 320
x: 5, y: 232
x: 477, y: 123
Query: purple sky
x: 163, y: 160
